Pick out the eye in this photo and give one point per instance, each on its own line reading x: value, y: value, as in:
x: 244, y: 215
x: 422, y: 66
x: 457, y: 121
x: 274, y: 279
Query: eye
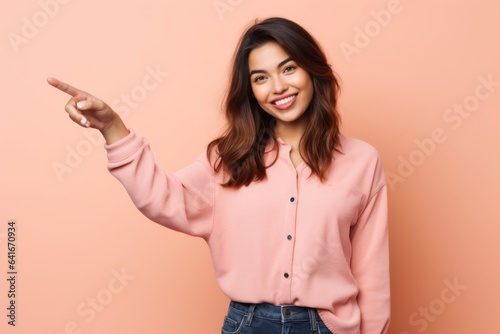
x: 289, y: 69
x: 259, y: 78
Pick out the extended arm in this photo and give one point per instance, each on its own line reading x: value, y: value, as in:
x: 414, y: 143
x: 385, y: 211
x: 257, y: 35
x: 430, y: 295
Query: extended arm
x: 180, y: 201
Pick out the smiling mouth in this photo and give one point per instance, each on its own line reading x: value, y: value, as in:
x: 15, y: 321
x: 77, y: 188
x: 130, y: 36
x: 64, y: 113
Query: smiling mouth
x: 285, y: 101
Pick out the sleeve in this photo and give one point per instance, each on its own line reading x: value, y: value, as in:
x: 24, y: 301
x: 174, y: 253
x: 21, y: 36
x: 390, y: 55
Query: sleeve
x: 181, y: 201
x: 370, y: 258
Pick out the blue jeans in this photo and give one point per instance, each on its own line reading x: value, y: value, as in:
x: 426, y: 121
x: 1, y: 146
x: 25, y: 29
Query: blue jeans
x: 270, y: 319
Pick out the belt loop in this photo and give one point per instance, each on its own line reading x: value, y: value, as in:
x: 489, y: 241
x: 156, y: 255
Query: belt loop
x: 312, y: 319
x: 249, y: 315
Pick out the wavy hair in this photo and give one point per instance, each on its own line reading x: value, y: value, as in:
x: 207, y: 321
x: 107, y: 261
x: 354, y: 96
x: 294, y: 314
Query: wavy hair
x: 241, y: 148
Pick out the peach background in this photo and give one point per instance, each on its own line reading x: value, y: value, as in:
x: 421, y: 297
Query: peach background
x: 76, y: 230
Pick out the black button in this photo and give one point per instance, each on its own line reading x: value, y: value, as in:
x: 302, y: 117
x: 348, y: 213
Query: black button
x: 289, y: 237
x: 292, y: 199
x: 286, y: 275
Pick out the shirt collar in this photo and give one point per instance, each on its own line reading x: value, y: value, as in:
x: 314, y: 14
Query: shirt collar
x: 338, y: 146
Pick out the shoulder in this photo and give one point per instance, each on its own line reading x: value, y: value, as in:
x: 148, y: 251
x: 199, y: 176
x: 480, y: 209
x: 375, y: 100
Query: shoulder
x: 359, y: 162
x: 354, y: 147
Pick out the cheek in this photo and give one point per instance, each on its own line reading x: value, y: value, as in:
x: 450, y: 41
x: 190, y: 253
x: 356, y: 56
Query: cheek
x: 307, y: 87
x: 303, y: 81
x: 260, y: 94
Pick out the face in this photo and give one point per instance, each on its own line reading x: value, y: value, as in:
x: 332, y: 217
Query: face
x: 281, y: 88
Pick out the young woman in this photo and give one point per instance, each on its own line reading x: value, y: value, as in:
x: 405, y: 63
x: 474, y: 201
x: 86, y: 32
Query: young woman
x: 294, y: 213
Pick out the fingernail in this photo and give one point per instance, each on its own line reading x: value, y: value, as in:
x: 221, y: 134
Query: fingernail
x: 80, y: 105
x: 83, y: 121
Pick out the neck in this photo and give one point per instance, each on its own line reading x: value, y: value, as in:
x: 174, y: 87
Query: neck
x: 291, y: 132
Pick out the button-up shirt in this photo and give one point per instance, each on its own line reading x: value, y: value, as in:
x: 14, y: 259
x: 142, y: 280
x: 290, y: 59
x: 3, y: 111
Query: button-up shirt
x: 289, y: 239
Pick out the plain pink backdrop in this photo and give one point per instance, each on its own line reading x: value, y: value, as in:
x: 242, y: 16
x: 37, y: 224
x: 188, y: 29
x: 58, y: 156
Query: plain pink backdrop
x: 407, y: 67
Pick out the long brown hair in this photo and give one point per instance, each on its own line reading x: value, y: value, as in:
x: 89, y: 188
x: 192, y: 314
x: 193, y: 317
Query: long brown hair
x: 240, y: 150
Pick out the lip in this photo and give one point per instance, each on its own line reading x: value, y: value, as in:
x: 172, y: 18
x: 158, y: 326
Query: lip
x: 286, y: 105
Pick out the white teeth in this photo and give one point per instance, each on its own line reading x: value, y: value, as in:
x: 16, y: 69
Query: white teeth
x: 284, y: 101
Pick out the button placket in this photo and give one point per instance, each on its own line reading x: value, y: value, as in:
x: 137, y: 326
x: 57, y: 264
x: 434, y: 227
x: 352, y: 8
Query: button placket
x: 289, y: 228
x: 291, y: 225
x: 292, y: 200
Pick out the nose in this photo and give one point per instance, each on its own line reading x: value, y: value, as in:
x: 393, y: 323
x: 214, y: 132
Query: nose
x: 279, y: 85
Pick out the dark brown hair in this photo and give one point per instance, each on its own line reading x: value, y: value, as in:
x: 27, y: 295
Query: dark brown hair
x: 240, y: 150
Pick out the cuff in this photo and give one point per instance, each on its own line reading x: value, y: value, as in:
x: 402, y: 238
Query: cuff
x: 124, y: 148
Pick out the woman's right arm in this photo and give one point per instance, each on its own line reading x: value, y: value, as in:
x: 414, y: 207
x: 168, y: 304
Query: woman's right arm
x: 182, y: 201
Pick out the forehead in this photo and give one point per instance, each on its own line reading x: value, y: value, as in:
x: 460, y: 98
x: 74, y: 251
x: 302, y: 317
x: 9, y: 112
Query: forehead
x: 266, y: 57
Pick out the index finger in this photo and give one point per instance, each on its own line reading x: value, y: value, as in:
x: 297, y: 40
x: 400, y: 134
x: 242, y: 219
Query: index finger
x: 62, y: 86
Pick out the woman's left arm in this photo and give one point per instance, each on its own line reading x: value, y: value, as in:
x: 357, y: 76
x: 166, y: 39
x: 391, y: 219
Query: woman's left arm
x: 370, y: 258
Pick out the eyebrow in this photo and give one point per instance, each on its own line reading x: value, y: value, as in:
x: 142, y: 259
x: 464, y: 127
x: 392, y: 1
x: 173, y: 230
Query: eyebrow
x: 279, y: 65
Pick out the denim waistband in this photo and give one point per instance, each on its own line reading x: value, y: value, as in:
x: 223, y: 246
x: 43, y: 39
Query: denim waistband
x: 284, y: 313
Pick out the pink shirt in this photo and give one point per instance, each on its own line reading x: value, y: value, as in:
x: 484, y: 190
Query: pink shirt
x: 288, y: 239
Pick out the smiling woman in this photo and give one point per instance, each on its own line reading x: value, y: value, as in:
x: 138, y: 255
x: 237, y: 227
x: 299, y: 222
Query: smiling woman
x: 276, y: 59
x: 294, y: 213
x: 284, y: 91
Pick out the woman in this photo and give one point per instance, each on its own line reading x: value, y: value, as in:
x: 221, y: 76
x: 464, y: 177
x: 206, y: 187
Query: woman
x: 294, y: 213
